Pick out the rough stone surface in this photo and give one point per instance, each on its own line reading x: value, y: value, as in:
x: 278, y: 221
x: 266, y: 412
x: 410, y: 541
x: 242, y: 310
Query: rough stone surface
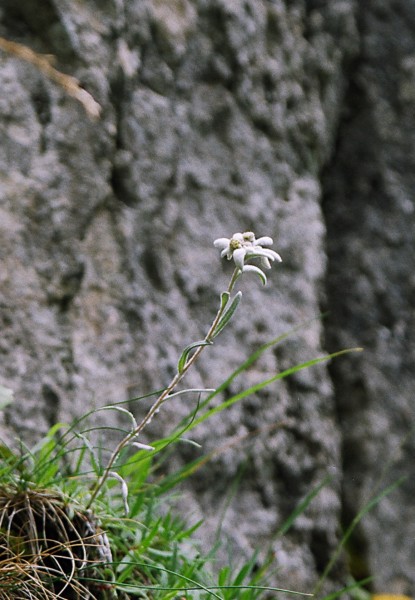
x: 220, y: 116
x: 369, y: 207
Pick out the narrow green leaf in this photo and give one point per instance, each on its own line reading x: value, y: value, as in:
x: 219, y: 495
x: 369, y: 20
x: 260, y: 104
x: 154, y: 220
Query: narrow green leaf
x: 6, y: 454
x: 191, y: 391
x: 223, y: 576
x: 120, y: 409
x: 255, y: 356
x: 302, y: 506
x: 195, y: 585
x: 257, y: 271
x: 57, y: 427
x: 243, y: 573
x: 89, y: 447
x: 367, y: 507
x: 224, y: 299
x: 185, y: 354
x: 190, y: 442
x: 227, y: 315
x: 259, y: 386
x: 348, y: 588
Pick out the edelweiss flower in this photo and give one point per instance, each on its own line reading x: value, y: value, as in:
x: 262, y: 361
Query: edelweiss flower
x: 243, y: 247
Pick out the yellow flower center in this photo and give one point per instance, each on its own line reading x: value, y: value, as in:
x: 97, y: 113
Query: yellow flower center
x: 234, y: 244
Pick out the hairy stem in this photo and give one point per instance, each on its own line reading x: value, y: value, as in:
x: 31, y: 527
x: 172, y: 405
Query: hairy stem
x: 163, y: 396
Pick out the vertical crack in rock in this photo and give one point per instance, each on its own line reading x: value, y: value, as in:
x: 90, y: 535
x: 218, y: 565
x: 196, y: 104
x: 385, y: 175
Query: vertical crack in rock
x: 344, y: 211
x: 121, y: 89
x: 368, y: 204
x: 51, y: 404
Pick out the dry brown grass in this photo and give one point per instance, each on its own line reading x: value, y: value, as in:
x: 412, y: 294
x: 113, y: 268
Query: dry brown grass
x: 49, y: 548
x: 44, y: 63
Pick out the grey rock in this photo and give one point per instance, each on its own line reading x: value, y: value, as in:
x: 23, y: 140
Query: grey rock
x: 292, y: 119
x: 370, y: 216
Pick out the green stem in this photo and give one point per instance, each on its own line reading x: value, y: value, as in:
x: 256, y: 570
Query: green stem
x: 163, y: 396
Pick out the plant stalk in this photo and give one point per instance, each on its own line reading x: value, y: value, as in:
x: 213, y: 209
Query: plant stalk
x: 163, y: 396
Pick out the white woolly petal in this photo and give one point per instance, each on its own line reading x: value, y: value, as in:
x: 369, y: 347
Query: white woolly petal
x: 265, y: 263
x: 276, y: 256
x: 264, y: 241
x: 238, y: 236
x: 253, y: 269
x: 269, y: 254
x: 266, y: 252
x: 124, y: 489
x: 141, y: 446
x: 221, y: 243
x: 257, y: 252
x: 226, y: 252
x: 239, y: 257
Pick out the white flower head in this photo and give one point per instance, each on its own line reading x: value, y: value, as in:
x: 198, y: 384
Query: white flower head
x: 243, y: 247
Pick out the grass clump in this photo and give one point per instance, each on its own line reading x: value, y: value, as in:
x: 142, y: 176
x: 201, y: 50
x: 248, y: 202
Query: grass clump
x: 46, y: 541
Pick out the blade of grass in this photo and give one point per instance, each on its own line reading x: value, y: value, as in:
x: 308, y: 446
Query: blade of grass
x: 348, y: 588
x: 255, y: 356
x: 302, y: 506
x: 259, y: 386
x: 368, y: 507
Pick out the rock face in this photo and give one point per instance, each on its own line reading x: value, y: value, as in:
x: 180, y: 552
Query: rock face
x: 291, y: 119
x: 369, y: 209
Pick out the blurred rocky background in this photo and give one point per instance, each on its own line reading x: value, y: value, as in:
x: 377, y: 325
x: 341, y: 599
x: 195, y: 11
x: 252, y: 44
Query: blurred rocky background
x: 291, y: 118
